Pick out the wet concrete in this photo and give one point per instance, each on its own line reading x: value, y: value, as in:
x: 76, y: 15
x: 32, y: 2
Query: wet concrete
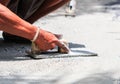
x: 96, y: 31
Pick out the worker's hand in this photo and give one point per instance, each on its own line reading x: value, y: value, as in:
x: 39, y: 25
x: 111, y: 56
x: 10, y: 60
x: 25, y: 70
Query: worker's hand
x: 46, y: 40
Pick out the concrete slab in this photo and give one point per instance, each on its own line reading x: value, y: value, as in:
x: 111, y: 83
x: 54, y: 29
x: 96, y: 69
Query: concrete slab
x: 96, y: 30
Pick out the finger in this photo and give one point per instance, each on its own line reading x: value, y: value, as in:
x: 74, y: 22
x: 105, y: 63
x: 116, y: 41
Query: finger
x: 49, y: 46
x: 63, y: 46
x: 59, y: 36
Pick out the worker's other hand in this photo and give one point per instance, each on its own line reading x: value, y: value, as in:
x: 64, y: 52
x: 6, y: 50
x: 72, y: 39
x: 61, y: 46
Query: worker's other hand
x: 46, y: 41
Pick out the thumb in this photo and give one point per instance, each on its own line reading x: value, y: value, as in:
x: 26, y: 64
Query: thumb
x: 63, y: 46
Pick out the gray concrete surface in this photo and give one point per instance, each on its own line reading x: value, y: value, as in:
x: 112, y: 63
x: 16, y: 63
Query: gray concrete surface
x: 95, y: 30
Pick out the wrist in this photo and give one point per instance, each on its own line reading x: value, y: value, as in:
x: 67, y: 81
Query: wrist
x: 36, y: 35
x: 30, y: 32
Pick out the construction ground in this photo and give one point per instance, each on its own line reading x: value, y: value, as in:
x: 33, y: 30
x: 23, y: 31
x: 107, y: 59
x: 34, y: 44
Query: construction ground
x: 95, y: 27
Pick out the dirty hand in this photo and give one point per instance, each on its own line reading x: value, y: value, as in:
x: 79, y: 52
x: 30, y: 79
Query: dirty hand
x: 46, y: 40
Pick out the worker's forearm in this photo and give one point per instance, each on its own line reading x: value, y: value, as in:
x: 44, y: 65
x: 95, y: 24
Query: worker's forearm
x: 11, y: 23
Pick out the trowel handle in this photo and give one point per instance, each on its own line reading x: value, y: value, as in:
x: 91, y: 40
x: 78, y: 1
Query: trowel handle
x: 65, y: 43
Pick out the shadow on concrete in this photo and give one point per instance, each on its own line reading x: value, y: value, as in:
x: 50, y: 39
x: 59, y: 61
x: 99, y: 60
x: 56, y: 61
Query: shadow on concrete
x: 21, y: 79
x: 90, y: 7
x: 10, y: 51
x: 14, y: 79
x: 98, y: 78
x: 113, y: 3
x: 98, y: 6
x: 76, y: 45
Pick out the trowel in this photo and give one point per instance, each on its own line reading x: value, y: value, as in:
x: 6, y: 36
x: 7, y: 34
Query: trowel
x: 59, y: 53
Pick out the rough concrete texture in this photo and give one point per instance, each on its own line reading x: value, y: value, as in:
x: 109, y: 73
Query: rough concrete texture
x: 95, y: 30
